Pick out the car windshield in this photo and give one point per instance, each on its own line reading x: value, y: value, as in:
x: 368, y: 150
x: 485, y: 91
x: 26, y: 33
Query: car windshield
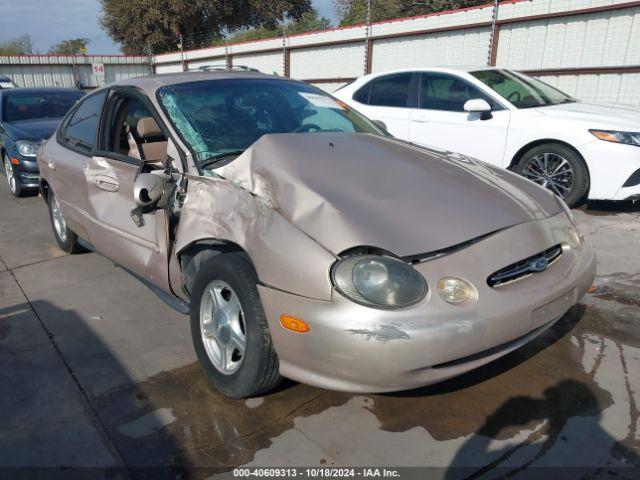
x: 222, y: 118
x: 522, y: 91
x: 29, y: 105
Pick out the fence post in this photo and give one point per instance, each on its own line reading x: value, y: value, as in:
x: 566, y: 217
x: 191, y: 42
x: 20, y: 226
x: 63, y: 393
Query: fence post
x: 494, y: 36
x: 184, y: 64
x: 368, y: 44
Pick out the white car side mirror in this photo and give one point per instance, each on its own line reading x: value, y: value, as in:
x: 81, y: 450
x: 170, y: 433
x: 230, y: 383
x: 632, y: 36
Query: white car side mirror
x: 477, y: 105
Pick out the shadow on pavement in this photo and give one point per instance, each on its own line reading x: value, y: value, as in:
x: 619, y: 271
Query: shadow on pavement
x: 50, y: 427
x: 561, y: 403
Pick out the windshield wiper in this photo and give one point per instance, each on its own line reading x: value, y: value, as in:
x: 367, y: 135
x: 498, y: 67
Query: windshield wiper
x: 220, y: 156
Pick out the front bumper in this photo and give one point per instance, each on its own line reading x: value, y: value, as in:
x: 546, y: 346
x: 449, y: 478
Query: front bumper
x: 354, y: 348
x: 611, y: 165
x: 27, y: 173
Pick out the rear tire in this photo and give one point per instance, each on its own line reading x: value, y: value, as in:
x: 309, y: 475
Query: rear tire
x: 230, y: 334
x: 67, y: 240
x: 558, y: 168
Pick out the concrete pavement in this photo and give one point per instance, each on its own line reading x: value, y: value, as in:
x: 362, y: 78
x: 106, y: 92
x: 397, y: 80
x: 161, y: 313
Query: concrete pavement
x: 98, y: 379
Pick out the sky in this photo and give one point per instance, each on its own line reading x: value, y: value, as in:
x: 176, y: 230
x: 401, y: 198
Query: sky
x: 51, y: 21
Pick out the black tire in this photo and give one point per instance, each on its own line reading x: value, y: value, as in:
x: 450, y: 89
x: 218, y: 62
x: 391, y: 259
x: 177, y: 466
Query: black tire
x: 16, y: 190
x: 70, y: 243
x: 258, y: 373
x: 578, y: 193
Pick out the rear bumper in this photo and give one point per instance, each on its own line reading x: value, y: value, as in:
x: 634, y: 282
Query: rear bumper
x: 354, y: 348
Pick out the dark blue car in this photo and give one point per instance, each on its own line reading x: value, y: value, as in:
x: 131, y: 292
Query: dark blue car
x: 27, y: 117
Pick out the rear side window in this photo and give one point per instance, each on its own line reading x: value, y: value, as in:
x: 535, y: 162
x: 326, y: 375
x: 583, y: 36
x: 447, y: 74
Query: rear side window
x: 387, y: 91
x: 82, y: 128
x: 444, y: 92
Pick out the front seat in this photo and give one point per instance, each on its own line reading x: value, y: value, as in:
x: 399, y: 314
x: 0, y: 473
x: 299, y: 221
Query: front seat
x: 153, y: 143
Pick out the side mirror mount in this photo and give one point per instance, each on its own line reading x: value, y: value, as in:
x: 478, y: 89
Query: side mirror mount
x: 148, y: 188
x: 381, y: 125
x: 477, y: 105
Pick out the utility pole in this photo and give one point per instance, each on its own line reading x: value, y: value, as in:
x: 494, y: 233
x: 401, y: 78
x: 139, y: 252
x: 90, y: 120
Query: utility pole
x: 494, y: 36
x: 367, y: 44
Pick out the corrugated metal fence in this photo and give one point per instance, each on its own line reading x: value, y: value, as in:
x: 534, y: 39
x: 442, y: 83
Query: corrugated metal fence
x: 589, y: 48
x: 67, y: 71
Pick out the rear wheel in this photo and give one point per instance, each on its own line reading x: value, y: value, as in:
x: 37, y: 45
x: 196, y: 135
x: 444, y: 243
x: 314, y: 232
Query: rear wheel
x: 14, y: 185
x: 557, y: 168
x: 229, y: 328
x: 66, y: 239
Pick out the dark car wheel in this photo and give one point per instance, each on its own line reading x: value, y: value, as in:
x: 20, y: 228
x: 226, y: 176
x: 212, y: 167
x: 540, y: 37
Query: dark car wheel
x: 67, y: 240
x: 229, y: 328
x: 557, y: 168
x: 14, y: 184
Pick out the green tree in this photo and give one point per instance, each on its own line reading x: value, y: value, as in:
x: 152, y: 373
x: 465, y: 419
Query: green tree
x: 354, y: 11
x: 308, y: 22
x: 74, y: 46
x: 159, y: 24
x: 18, y: 46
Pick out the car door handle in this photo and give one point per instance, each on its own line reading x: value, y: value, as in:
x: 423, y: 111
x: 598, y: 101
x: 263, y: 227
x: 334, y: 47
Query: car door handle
x: 106, y: 183
x: 420, y: 119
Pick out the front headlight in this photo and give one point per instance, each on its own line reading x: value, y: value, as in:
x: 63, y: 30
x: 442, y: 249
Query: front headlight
x: 378, y: 281
x: 26, y: 149
x: 627, y: 138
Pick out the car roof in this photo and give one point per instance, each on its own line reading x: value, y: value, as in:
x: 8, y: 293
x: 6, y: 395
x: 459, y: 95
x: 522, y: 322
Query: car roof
x: 14, y: 91
x: 150, y: 83
x: 453, y: 69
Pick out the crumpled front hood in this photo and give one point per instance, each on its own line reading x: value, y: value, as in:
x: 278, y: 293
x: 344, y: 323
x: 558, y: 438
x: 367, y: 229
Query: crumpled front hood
x: 346, y: 190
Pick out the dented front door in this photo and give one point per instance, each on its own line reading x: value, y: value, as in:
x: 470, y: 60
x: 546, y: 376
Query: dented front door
x: 120, y: 231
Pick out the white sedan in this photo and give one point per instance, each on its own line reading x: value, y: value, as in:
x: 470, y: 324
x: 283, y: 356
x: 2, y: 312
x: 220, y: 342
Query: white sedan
x: 578, y: 150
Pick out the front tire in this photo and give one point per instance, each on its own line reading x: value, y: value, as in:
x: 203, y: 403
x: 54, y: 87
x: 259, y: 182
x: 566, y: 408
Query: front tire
x: 557, y: 168
x: 229, y: 328
x: 14, y: 184
x: 67, y: 240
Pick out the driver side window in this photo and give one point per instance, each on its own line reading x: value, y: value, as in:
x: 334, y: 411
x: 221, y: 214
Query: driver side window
x: 133, y: 131
x: 448, y: 93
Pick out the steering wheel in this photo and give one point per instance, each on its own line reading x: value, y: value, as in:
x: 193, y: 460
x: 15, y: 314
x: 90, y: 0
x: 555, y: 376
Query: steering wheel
x: 514, y: 96
x: 307, y: 127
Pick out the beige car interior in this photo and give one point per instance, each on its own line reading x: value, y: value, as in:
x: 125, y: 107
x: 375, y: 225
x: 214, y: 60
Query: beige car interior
x: 146, y: 141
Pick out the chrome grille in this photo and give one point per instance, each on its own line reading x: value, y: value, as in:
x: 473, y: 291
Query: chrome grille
x: 533, y: 264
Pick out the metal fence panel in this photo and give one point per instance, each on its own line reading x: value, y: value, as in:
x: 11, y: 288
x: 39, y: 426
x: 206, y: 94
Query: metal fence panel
x: 346, y: 60
x: 438, y: 49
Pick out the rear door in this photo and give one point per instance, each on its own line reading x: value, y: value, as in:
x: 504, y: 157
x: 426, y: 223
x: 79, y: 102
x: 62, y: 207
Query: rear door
x: 68, y: 161
x: 440, y: 119
x: 389, y: 99
x: 130, y: 136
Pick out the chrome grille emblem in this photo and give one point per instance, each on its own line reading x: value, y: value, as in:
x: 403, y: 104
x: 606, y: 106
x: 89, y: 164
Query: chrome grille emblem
x: 539, y: 265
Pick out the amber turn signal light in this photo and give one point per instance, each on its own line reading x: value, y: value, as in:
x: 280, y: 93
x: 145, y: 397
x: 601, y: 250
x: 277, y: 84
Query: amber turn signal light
x: 294, y: 324
x: 15, y: 161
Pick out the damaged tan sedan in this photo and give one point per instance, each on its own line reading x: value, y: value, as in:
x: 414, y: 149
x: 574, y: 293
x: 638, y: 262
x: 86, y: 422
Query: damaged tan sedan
x: 303, y: 241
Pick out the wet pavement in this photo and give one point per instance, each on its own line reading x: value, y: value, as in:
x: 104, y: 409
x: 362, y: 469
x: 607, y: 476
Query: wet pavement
x: 98, y: 379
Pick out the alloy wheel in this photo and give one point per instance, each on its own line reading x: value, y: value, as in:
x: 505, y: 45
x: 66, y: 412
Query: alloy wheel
x: 8, y: 171
x: 552, y: 171
x: 58, y: 219
x: 222, y: 327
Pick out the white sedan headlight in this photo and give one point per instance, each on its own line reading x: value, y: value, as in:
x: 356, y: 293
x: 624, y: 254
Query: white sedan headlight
x: 26, y: 149
x: 626, y: 138
x: 378, y: 281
